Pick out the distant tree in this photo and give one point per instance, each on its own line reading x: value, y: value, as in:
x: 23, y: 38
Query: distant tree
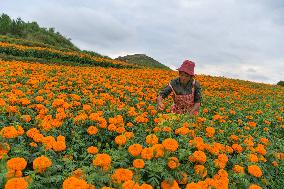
x: 281, y: 83
x: 5, y: 24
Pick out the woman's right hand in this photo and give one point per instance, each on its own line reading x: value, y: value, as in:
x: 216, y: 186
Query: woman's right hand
x: 161, y: 106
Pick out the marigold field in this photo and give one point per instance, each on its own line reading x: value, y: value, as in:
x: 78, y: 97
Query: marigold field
x: 89, y: 127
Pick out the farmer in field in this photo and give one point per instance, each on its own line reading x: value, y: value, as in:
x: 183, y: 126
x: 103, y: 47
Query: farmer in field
x: 186, y: 91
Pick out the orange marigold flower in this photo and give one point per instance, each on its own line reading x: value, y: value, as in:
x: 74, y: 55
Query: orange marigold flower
x: 200, y: 170
x: 254, y: 186
x: 252, y: 124
x: 253, y: 158
x: 210, y: 131
x: 264, y: 140
x: 120, y: 129
x: 260, y: 149
x: 129, y: 135
x: 135, y: 149
x: 223, y: 158
x: 158, y: 150
x: 120, y: 140
x: 183, y: 179
x: 59, y: 146
x: 16, y: 183
x: 92, y: 150
x: 173, y: 162
x: 26, y: 118
x: 238, y: 169
x: 130, y: 184
x: 152, y: 139
x: 198, y: 156
x: 41, y: 163
x: 17, y: 164
x: 4, y: 149
x: 92, y: 130
x: 138, y: 163
x: 192, y: 185
x: 170, y: 144
x: 121, y: 175
x: 147, y: 153
x: 254, y: 170
x: 237, y: 148
x: 145, y: 186
x: 11, y: 131
x: 169, y: 185
x: 73, y: 182
x: 102, y: 160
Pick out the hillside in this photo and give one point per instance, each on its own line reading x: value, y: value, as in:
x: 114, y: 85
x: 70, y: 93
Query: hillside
x: 143, y: 60
x: 33, y: 32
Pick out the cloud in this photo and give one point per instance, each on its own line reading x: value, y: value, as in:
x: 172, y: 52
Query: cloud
x: 241, y: 39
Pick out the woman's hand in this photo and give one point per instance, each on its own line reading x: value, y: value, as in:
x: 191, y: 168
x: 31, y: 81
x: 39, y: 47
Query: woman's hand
x: 161, y: 105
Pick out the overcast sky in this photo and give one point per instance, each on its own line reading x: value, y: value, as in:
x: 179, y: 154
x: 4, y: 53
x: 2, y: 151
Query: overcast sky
x: 241, y: 39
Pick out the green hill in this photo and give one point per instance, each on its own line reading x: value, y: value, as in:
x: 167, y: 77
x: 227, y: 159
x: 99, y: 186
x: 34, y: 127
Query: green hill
x: 142, y: 60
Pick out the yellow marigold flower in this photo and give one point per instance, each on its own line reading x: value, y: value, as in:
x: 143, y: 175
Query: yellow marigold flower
x: 170, y: 144
x: 135, y: 149
x: 41, y: 163
x: 17, y: 164
x: 138, y: 163
x: 16, y: 183
x: 121, y: 175
x: 73, y: 182
x: 254, y: 170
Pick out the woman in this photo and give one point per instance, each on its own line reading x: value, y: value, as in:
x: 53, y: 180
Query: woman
x: 186, y: 90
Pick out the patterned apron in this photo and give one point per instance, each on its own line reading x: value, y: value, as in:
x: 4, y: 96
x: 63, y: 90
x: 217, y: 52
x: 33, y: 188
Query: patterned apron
x: 183, y: 103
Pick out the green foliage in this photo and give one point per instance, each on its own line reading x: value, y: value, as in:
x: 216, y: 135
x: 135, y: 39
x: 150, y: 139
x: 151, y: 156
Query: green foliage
x: 143, y: 60
x: 281, y: 83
